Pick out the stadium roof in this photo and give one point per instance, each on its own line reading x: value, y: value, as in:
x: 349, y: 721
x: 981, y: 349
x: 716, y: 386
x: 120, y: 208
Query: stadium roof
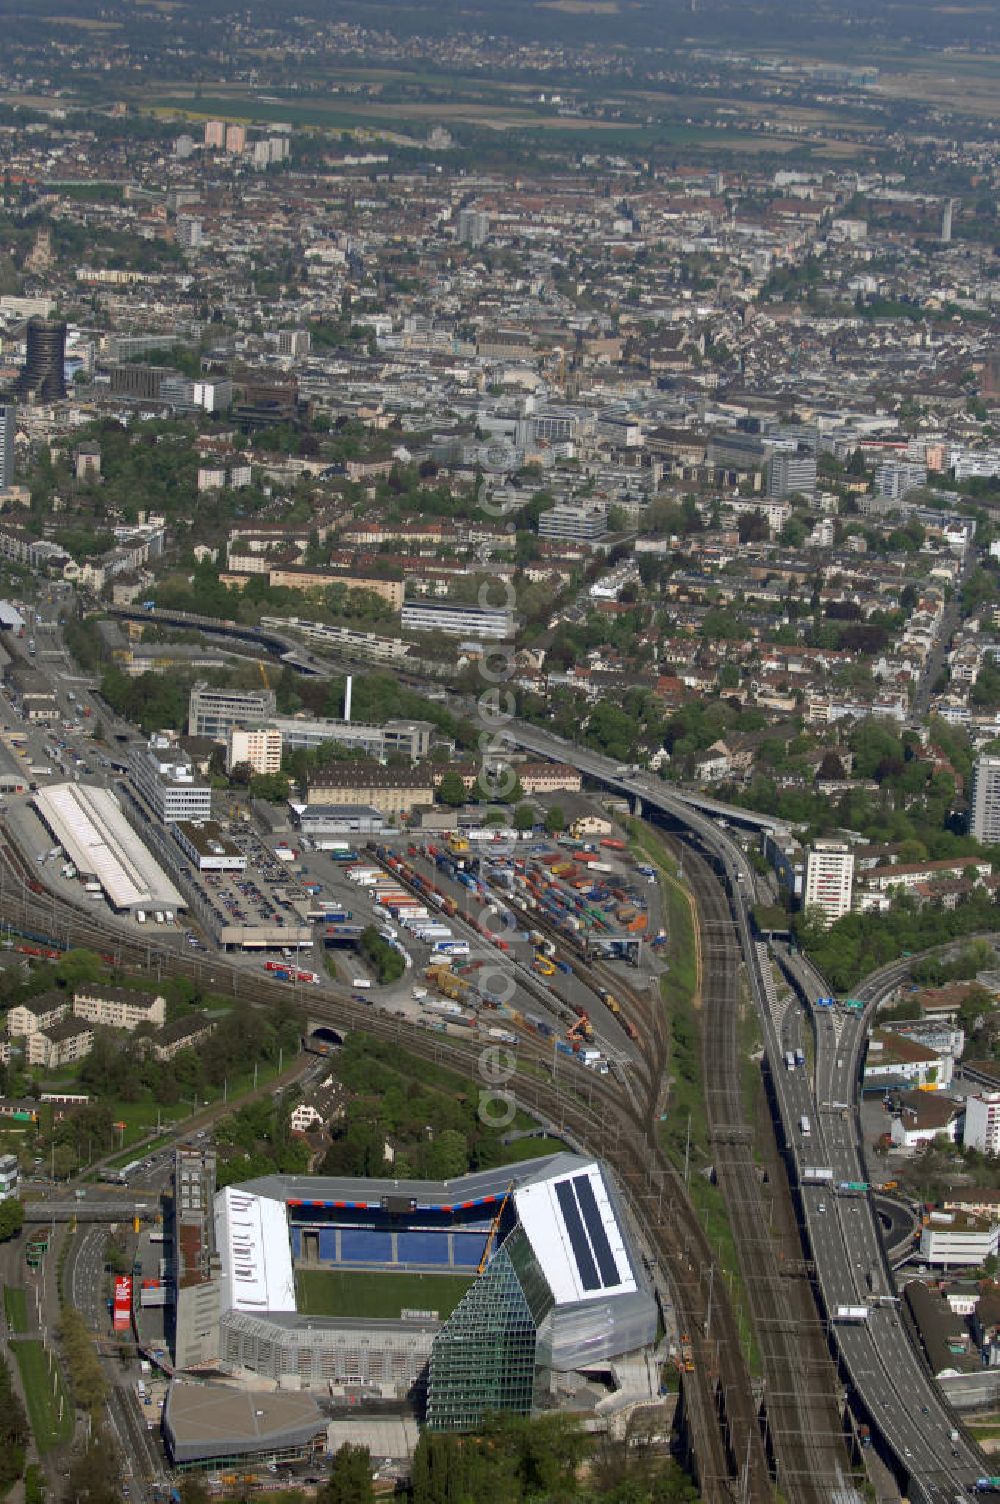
x: 89, y: 825
x: 465, y: 1190
x: 222, y: 1420
x: 574, y: 1232
x: 251, y: 1234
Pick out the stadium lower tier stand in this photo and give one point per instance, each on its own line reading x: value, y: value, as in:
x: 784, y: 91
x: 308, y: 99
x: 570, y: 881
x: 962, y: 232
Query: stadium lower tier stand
x: 371, y: 1248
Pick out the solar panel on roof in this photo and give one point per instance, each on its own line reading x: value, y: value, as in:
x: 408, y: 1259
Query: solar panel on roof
x: 595, y: 1227
x: 586, y: 1268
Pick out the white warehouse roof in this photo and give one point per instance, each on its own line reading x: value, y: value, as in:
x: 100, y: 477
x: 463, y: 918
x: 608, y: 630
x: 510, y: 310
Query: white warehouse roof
x: 251, y: 1234
x: 89, y: 825
x: 572, y: 1228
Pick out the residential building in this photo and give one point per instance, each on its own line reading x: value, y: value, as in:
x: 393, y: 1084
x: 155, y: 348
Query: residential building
x: 984, y: 799
x: 8, y: 429
x: 923, y: 1117
x: 36, y: 1013
x: 260, y: 747
x: 982, y: 1122
x: 215, y: 133
x: 9, y: 1176
x: 456, y: 620
x: 119, y: 1007
x: 214, y: 712
x: 182, y: 1034
x: 165, y: 781
x: 392, y: 791
x: 473, y: 226
x: 829, y: 879
x: 60, y: 1044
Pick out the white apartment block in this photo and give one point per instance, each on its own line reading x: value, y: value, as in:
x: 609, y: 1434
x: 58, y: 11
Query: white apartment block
x: 982, y: 1122
x: 63, y: 1043
x: 119, y: 1008
x: 9, y: 1176
x: 984, y: 821
x: 829, y: 879
x: 260, y: 747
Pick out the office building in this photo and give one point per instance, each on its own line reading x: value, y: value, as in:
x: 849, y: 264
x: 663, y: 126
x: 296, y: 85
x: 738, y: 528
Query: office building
x: 259, y: 747
x: 8, y: 430
x: 393, y: 791
x: 43, y: 376
x: 949, y: 1239
x: 207, y: 847
x: 573, y: 523
x: 790, y: 475
x: 214, y: 712
x: 165, y: 783
x: 984, y: 818
x: 982, y: 1122
x: 829, y: 879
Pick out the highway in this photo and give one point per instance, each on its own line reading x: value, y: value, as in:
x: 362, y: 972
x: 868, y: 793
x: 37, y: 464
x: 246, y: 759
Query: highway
x: 891, y: 1384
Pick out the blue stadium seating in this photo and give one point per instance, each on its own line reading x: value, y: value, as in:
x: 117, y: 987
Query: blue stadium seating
x: 328, y: 1245
x: 361, y: 1246
x: 422, y: 1248
x: 296, y: 1242
x: 468, y: 1249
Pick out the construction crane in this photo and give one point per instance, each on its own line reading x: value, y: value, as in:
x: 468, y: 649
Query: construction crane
x: 494, y: 1229
x: 263, y: 674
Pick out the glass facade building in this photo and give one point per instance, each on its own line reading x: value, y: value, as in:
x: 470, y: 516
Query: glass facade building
x: 483, y: 1359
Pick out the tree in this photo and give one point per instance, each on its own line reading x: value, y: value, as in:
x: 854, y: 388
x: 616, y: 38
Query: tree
x: 451, y: 789
x: 555, y: 820
x: 350, y: 1480
x: 524, y: 817
x: 11, y: 1218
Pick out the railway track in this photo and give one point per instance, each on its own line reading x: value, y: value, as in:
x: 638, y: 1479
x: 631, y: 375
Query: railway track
x: 803, y: 1427
x: 593, y: 1112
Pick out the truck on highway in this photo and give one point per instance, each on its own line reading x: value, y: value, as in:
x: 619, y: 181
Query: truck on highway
x: 805, y: 1127
x: 850, y: 1313
x: 800, y: 1057
x: 789, y: 1060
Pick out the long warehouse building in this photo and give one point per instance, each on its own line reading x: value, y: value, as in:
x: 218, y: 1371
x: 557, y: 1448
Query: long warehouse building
x: 89, y: 825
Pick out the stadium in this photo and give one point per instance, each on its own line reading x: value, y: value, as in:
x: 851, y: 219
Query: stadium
x: 458, y: 1297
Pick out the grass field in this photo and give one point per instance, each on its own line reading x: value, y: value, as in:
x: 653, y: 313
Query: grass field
x: 15, y: 1308
x: 336, y: 1292
x: 43, y: 1402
